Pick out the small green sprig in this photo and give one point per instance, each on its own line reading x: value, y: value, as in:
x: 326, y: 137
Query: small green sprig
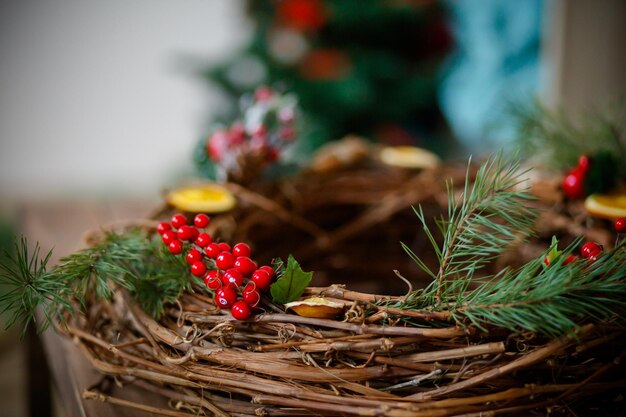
x: 134, y: 260
x: 549, y: 299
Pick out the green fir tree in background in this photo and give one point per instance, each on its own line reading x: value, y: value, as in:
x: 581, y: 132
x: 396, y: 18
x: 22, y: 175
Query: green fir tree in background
x: 356, y: 67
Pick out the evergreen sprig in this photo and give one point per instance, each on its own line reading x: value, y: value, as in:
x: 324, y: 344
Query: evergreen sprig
x: 490, y: 215
x: 133, y: 260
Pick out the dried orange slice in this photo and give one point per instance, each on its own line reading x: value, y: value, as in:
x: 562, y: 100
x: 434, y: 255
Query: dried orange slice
x: 317, y: 307
x: 609, y: 206
x: 409, y: 157
x: 206, y: 198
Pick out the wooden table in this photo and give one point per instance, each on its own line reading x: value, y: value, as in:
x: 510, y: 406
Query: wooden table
x: 60, y: 226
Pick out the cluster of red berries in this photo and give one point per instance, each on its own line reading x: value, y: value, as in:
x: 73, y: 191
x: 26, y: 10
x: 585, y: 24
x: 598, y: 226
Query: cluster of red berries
x: 574, y: 180
x: 254, y: 134
x: 230, y: 272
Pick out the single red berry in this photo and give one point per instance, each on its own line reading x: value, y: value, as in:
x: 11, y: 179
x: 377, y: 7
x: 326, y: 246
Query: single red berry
x: 178, y: 220
x: 168, y: 236
x: 251, y: 296
x: 237, y: 133
x: 584, y: 162
x: 203, y: 240
x: 225, y: 297
x: 225, y: 260
x: 240, y: 310
x: 570, y: 259
x: 245, y: 265
x: 212, y: 250
x: 233, y: 276
x: 546, y: 261
x: 268, y: 269
x: 201, y: 220
x: 261, y: 278
x: 198, y: 268
x: 588, y: 248
x: 193, y: 255
x: 241, y: 249
x: 188, y: 233
x: 175, y: 247
x: 213, y: 279
x: 212, y: 283
x: 224, y: 247
x: 593, y: 256
x: 574, y: 183
x: 163, y: 227
x: 620, y: 225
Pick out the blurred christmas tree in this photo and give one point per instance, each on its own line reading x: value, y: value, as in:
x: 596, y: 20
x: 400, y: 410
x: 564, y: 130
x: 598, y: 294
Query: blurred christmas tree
x: 368, y: 67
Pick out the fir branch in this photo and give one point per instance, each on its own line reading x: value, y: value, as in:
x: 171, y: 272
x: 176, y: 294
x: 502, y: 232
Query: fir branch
x: 490, y: 215
x: 550, y: 300
x: 132, y: 260
x: 553, y: 137
x: 27, y: 284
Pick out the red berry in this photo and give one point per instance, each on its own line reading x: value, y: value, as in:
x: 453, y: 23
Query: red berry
x: 240, y: 310
x: 570, y: 259
x: 241, y: 249
x: 251, y: 296
x: 187, y: 233
x: 588, y: 248
x: 198, y: 268
x: 225, y: 297
x: 237, y: 133
x: 620, y: 225
x: 163, y: 227
x: 178, y: 220
x: 225, y: 260
x: 175, y: 247
x: 203, y: 240
x: 212, y: 250
x: 193, y: 255
x: 574, y: 183
x: 168, y: 236
x: 268, y: 269
x: 593, y: 256
x: 263, y: 93
x: 261, y: 278
x: 201, y: 220
x: 546, y: 261
x: 224, y: 247
x: 233, y: 276
x: 584, y: 162
x: 213, y: 279
x: 245, y: 265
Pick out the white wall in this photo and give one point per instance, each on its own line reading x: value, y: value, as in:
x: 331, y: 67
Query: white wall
x: 93, y: 97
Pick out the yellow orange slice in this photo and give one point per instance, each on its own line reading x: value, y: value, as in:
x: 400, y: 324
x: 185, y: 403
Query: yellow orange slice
x: 409, y: 157
x: 206, y: 198
x: 609, y: 206
x: 317, y: 307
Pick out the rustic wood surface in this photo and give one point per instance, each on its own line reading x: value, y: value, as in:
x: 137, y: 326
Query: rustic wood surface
x: 60, y: 226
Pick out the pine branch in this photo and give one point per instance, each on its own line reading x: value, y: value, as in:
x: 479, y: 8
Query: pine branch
x: 132, y: 260
x: 489, y: 217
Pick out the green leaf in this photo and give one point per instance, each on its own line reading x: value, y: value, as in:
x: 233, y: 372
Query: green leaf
x: 291, y: 284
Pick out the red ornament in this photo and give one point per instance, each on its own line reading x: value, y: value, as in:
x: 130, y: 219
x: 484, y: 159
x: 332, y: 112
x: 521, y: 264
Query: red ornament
x: 187, y: 232
x: 213, y: 279
x: 224, y: 247
x: 301, y: 14
x: 212, y: 250
x: 233, y: 276
x: 251, y: 296
x: 268, y: 269
x: 584, y: 163
x: 168, y: 236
